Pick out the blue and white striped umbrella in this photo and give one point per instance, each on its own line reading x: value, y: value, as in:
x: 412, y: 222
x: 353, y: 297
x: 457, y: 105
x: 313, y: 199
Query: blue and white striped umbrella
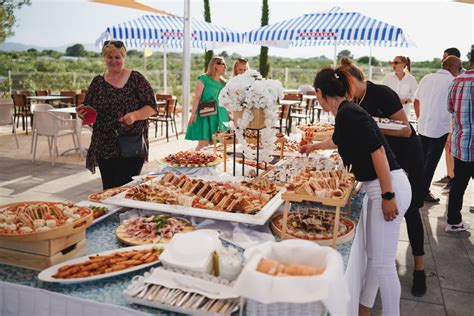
x: 333, y: 27
x: 161, y: 30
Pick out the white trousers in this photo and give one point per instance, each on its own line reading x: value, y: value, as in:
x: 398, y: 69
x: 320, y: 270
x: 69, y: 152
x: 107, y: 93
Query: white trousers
x: 372, y: 260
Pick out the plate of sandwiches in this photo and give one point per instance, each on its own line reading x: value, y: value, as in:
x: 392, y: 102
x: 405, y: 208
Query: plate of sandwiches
x: 151, y: 229
x: 103, y: 265
x: 40, y: 220
x: 100, y: 196
x: 191, y: 159
x: 317, y: 226
x: 250, y: 202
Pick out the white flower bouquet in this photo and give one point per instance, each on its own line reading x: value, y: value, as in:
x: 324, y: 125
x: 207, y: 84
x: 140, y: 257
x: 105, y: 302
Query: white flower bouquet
x: 246, y: 93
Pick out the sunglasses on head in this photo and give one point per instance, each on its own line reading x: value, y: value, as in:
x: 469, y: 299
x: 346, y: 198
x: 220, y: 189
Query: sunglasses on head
x: 221, y: 63
x: 396, y: 62
x: 117, y: 44
x: 242, y: 59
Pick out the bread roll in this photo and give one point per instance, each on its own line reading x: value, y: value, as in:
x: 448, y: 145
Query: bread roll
x: 299, y: 269
x: 275, y: 268
x: 268, y: 266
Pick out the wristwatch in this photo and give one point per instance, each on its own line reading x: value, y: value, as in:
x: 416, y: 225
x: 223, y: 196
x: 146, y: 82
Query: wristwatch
x: 388, y: 195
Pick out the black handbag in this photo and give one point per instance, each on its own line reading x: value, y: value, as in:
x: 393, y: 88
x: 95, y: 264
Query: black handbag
x: 207, y: 108
x: 131, y: 146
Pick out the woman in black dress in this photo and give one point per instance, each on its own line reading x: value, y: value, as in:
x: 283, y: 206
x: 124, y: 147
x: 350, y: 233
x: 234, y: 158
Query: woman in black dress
x: 362, y: 145
x: 381, y: 101
x: 123, y: 100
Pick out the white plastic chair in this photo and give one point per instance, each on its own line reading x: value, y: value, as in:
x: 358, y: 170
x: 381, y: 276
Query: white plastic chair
x: 6, y: 115
x: 52, y: 126
x: 40, y: 107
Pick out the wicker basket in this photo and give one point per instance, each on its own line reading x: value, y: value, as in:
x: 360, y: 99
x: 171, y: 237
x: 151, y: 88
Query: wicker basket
x: 258, y: 121
x: 284, y: 309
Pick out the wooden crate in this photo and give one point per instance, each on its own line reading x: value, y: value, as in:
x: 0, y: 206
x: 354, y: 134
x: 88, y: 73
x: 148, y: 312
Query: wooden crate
x: 43, y: 247
x: 41, y: 262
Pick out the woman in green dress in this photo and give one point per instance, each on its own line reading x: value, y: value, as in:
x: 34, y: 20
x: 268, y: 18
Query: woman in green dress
x: 208, y: 87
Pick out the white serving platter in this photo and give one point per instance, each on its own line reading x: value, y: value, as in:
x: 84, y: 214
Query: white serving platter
x: 257, y: 219
x: 112, y: 209
x: 392, y: 126
x: 47, y: 274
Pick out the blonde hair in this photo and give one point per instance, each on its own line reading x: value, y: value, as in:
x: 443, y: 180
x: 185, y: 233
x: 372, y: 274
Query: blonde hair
x: 242, y: 61
x: 406, y: 61
x: 110, y: 48
x: 211, y: 67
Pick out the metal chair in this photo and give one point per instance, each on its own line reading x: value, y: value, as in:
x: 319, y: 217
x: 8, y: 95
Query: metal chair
x: 22, y: 109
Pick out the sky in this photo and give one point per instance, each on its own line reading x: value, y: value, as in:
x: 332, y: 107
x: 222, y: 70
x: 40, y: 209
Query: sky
x: 432, y: 25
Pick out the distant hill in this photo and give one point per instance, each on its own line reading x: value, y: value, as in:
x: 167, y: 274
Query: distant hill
x: 20, y: 47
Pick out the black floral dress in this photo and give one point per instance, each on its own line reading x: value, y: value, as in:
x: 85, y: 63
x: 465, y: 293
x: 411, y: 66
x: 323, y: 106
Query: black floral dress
x: 111, y: 103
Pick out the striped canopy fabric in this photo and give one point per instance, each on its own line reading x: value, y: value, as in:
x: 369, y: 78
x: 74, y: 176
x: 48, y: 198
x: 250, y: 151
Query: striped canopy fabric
x: 333, y: 27
x: 160, y: 30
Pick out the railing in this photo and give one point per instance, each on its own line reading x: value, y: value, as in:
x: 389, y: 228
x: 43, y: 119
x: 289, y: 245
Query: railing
x: 291, y: 78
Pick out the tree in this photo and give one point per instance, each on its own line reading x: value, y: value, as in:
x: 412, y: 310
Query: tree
x: 208, y: 54
x: 344, y: 53
x: 76, y: 50
x: 365, y: 60
x: 134, y: 53
x: 7, y: 16
x: 264, y: 66
x: 32, y: 51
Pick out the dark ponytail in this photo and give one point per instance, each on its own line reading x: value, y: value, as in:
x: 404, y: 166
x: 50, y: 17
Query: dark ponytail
x: 333, y: 83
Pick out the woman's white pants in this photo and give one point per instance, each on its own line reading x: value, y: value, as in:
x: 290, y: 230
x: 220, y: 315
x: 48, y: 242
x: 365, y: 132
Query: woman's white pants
x: 372, y: 259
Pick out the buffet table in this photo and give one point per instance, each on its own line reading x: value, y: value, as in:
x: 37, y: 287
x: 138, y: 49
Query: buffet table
x: 102, y: 237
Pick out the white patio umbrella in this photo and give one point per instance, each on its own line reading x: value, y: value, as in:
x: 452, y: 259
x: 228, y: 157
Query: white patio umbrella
x: 334, y: 27
x: 159, y: 31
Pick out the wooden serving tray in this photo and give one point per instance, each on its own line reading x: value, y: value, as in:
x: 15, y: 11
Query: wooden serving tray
x: 296, y: 197
x: 61, y: 231
x: 132, y: 241
x: 322, y: 242
x: 44, y: 247
x: 39, y: 262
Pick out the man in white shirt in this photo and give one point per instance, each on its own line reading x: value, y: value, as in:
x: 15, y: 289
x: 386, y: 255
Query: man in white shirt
x: 434, y: 120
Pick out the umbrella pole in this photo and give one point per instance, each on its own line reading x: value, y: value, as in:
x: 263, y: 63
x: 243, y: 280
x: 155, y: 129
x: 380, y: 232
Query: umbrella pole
x: 165, y: 69
x: 335, y: 55
x: 144, y: 61
x: 186, y: 63
x: 370, y: 62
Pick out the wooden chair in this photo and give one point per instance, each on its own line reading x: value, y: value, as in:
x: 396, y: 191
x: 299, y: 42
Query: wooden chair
x: 80, y: 98
x: 166, y: 115
x: 295, y: 111
x: 68, y: 93
x: 25, y: 92
x: 22, y: 109
x: 41, y: 93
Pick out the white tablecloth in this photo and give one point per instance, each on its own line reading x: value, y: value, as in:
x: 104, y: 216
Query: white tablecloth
x: 20, y: 300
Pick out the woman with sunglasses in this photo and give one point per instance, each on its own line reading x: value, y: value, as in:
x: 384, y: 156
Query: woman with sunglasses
x: 241, y: 65
x: 208, y: 87
x: 123, y: 100
x: 402, y: 82
x: 362, y: 145
x: 381, y: 101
